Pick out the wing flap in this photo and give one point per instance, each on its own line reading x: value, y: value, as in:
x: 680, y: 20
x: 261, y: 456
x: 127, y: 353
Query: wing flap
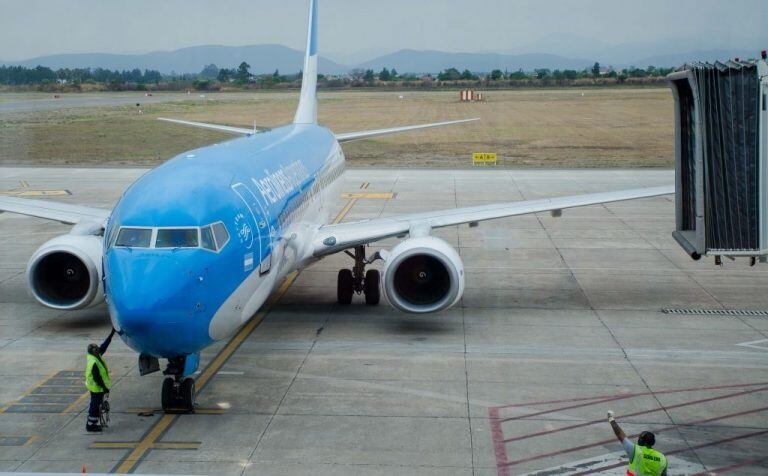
x: 350, y: 136
x: 333, y: 238
x: 51, y: 210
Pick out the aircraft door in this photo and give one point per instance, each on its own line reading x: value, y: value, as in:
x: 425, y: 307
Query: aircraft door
x: 253, y: 230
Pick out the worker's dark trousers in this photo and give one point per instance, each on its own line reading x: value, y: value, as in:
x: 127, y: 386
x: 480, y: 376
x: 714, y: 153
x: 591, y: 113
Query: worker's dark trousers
x: 92, y: 424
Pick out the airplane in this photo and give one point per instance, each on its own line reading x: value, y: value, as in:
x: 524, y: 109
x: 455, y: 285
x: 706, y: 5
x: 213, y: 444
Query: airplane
x: 194, y: 247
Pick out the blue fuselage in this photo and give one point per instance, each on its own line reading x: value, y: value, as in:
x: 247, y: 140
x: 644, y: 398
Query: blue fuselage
x: 269, y: 191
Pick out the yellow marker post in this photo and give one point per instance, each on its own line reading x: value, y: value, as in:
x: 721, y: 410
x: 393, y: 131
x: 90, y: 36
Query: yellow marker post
x: 484, y: 158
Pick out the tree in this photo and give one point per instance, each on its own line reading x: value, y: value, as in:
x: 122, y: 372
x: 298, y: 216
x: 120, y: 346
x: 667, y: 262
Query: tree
x: 224, y: 75
x: 543, y: 73
x: 243, y: 72
x: 384, y: 75
x: 596, y: 70
x: 211, y: 71
x: 393, y: 74
x: 450, y: 74
x: 496, y: 75
x: 369, y: 76
x: 467, y: 74
x: 519, y: 74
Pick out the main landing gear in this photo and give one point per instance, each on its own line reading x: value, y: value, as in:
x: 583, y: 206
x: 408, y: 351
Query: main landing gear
x: 358, y: 280
x: 178, y: 394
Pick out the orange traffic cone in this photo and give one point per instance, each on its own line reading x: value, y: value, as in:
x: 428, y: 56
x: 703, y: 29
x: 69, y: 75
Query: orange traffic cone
x: 83, y: 469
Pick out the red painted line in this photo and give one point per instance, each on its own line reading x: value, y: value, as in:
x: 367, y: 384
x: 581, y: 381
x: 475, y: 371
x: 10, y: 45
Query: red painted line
x: 605, y: 442
x: 644, y: 412
x: 726, y: 469
x: 498, y: 442
x: 569, y: 407
x: 660, y: 392
x: 685, y: 450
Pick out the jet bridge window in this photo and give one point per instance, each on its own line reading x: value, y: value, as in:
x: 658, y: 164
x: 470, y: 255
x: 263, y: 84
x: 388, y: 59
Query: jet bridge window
x: 134, y: 237
x: 176, y: 238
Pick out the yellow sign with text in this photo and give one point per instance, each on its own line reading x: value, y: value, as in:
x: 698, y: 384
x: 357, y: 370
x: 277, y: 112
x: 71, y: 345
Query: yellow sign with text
x: 484, y: 158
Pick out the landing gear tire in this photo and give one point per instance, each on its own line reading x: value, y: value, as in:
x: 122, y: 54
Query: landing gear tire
x: 168, y: 395
x: 371, y: 288
x: 178, y: 397
x: 345, y: 287
x: 187, y: 394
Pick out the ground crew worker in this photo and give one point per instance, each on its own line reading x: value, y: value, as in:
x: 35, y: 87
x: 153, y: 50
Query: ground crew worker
x: 643, y: 459
x: 97, y: 381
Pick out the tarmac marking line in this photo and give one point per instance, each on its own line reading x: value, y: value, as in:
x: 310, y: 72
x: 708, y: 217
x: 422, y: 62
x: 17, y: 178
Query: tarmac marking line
x: 34, y: 387
x: 370, y: 195
x: 660, y: 392
x: 71, y: 407
x: 129, y: 463
x: 659, y: 430
x: 643, y: 412
x: 685, y: 450
x: 726, y: 469
x: 503, y: 464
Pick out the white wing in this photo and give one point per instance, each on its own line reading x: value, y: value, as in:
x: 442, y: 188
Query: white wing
x: 350, y: 136
x: 63, y: 212
x: 215, y: 127
x: 334, y: 238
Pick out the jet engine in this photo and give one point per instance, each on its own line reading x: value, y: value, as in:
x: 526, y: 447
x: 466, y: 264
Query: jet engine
x: 423, y: 275
x: 65, y: 273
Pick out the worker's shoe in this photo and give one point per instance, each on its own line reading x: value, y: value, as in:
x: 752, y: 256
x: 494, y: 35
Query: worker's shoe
x: 93, y: 425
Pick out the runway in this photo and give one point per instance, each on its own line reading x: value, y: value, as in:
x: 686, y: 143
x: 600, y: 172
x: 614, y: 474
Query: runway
x: 560, y: 321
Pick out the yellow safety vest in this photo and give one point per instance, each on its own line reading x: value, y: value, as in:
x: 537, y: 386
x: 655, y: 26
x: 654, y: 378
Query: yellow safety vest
x: 90, y: 382
x: 646, y: 462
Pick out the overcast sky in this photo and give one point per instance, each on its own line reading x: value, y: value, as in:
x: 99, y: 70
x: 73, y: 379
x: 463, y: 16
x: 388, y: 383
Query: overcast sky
x: 30, y: 28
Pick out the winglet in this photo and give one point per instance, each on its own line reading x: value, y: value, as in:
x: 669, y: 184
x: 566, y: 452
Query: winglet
x: 307, y: 111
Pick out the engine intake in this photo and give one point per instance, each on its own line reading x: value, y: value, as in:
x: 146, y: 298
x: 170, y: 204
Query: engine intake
x: 423, y: 275
x: 65, y: 273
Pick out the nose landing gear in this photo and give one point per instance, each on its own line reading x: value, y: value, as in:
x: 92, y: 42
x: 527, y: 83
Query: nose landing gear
x: 178, y: 393
x: 358, y: 280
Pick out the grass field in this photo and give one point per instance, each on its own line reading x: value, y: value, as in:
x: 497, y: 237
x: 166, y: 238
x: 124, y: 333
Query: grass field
x: 541, y: 128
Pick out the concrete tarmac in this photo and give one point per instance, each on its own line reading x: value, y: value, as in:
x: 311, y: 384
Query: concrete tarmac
x: 561, y: 321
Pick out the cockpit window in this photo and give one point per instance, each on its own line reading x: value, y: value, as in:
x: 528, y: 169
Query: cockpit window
x: 221, y: 234
x: 206, y: 238
x: 176, y: 238
x: 134, y: 237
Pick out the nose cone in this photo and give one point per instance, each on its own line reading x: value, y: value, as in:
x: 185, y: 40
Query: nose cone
x: 155, y: 298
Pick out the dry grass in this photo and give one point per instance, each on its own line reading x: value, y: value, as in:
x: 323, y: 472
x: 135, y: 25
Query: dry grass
x: 550, y: 128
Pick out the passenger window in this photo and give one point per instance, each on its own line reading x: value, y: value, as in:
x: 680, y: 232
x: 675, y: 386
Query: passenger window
x: 206, y: 238
x: 134, y: 237
x: 221, y: 235
x: 176, y: 238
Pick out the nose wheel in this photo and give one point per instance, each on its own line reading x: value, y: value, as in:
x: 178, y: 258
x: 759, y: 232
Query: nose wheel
x: 178, y: 393
x: 359, y: 281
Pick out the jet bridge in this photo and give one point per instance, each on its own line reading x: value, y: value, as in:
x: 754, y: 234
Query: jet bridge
x: 721, y: 159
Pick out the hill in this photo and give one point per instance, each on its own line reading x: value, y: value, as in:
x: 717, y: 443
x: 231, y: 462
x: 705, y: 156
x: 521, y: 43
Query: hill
x: 262, y: 58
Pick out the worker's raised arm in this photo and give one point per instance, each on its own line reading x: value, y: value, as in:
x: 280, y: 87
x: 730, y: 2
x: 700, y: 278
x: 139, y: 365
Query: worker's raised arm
x: 104, y: 345
x: 616, y: 428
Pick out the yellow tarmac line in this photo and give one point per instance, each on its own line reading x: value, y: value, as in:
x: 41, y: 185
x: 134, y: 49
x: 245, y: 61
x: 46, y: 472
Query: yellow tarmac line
x: 344, y: 211
x: 34, y: 387
x: 149, y: 441
x: 381, y: 195
x: 71, y: 407
x: 31, y: 440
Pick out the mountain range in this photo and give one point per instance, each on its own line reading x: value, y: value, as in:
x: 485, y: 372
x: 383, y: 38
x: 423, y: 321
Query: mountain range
x: 572, y: 53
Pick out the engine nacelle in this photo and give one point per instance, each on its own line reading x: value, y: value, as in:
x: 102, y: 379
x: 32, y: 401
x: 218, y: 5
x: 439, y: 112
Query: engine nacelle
x: 65, y: 273
x: 423, y: 275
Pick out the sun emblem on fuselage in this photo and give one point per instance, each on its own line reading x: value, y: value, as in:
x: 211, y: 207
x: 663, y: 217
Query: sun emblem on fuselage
x: 244, y: 230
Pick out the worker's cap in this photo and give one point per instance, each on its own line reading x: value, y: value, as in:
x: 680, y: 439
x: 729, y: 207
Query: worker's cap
x: 93, y: 348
